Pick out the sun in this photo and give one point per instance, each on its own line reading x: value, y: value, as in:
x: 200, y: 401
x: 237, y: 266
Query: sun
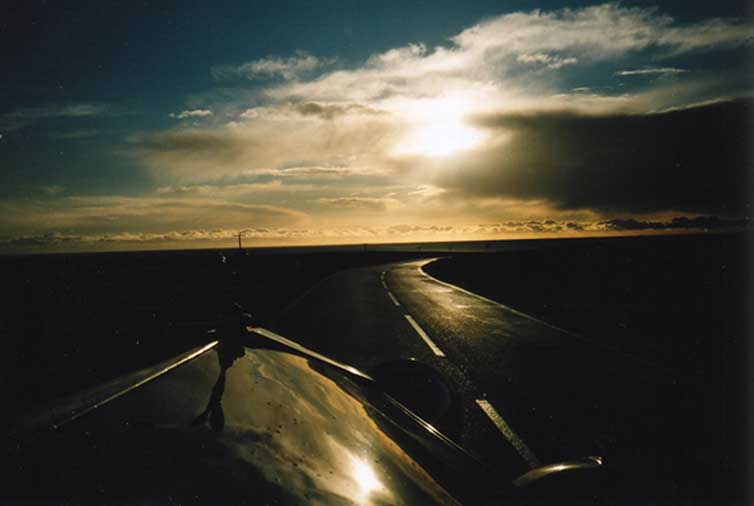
x: 443, y: 139
x: 438, y: 128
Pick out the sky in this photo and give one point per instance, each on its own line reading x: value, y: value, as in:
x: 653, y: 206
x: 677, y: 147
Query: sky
x: 140, y: 125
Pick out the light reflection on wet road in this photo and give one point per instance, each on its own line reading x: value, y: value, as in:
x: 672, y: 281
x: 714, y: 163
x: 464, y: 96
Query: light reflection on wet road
x: 561, y: 396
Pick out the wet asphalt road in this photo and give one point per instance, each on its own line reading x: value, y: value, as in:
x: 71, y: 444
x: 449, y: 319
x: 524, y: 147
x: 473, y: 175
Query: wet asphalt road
x: 559, y: 396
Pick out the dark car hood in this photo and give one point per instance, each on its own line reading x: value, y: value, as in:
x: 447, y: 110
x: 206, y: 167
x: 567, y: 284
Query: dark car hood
x: 228, y: 424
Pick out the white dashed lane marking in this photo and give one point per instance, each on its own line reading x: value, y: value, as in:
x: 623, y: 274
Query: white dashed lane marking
x: 511, y: 436
x: 432, y: 346
x: 486, y: 407
x: 389, y: 293
x: 392, y: 297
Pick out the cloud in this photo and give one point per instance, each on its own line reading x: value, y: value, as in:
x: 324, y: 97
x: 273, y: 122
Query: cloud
x: 75, y: 134
x: 267, y: 142
x: 545, y: 133
x: 330, y: 111
x: 138, y: 206
x: 52, y: 189
x: 355, y: 234
x: 651, y: 71
x: 230, y: 189
x: 40, y: 240
x: 292, y: 111
x: 148, y: 213
x: 270, y: 67
x: 354, y: 202
x: 678, y: 223
x: 194, y: 150
x: 538, y: 144
x: 69, y: 111
x: 494, y: 58
x: 309, y: 171
x: 195, y: 113
x: 24, y: 116
x: 600, y: 32
x: 555, y: 226
x: 492, y: 65
x: 179, y: 190
x: 58, y: 238
x: 552, y: 62
x: 693, y: 160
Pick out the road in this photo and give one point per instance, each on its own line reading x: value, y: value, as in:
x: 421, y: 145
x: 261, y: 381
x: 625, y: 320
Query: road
x: 529, y: 393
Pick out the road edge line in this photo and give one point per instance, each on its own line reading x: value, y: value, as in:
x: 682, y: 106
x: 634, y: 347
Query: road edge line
x: 574, y: 335
x: 496, y: 303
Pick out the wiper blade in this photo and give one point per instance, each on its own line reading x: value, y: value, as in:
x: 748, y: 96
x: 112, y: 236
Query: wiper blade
x: 302, y: 350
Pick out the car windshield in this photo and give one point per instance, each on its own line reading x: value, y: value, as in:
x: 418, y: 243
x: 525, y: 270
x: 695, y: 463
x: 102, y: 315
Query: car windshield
x: 522, y: 228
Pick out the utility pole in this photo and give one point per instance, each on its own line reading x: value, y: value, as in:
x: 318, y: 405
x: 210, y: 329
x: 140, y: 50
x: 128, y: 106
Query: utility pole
x: 240, y: 234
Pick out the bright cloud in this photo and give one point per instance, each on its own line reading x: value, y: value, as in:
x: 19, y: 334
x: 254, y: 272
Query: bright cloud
x: 552, y: 62
x: 271, y: 66
x: 598, y: 32
x: 650, y: 71
x: 488, y: 56
x: 272, y: 139
x: 194, y: 113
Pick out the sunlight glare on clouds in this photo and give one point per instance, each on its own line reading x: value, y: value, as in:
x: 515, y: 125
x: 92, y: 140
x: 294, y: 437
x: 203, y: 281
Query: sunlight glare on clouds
x: 440, y: 139
x: 438, y: 127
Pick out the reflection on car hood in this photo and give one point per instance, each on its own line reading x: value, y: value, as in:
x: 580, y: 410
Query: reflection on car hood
x: 231, y: 425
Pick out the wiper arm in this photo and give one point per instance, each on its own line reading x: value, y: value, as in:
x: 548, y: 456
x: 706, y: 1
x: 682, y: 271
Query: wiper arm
x: 276, y: 341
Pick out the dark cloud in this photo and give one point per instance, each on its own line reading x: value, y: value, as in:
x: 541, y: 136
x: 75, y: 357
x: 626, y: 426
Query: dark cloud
x: 371, y: 203
x: 678, y: 223
x: 42, y: 239
x: 550, y: 226
x: 24, y: 116
x: 330, y: 111
x: 187, y: 146
x: 193, y: 141
x: 694, y: 160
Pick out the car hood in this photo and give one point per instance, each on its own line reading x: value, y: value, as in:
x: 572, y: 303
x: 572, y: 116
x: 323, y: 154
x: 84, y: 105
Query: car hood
x: 230, y: 424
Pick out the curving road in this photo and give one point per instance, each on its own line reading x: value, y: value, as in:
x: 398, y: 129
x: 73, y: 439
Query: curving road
x: 529, y: 393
